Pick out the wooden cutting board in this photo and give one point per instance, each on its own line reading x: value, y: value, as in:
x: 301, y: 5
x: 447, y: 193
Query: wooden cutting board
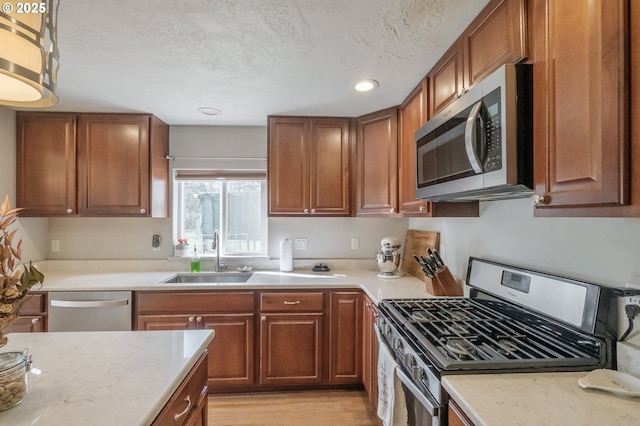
x: 417, y: 243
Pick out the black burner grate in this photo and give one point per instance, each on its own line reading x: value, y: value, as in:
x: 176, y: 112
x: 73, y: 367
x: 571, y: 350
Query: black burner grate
x: 467, y: 333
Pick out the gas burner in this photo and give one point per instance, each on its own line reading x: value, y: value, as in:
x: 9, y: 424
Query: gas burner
x: 458, y: 315
x: 506, y: 347
x: 459, y: 328
x: 460, y: 348
x: 422, y: 314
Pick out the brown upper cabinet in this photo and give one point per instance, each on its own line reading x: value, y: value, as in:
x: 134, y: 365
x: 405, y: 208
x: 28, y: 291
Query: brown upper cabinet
x: 377, y: 163
x: 498, y: 35
x: 581, y: 107
x: 309, y: 166
x: 92, y: 165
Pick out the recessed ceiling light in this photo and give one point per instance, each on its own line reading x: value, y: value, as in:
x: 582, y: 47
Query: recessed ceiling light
x: 209, y: 111
x: 366, y: 85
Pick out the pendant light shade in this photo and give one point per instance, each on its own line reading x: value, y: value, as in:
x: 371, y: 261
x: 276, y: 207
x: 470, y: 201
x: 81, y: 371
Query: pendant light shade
x: 29, y: 54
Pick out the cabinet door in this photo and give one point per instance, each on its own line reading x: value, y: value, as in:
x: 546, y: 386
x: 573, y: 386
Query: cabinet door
x: 291, y: 349
x: 370, y: 352
x: 345, y: 337
x: 580, y: 104
x: 497, y: 36
x: 412, y: 115
x: 457, y: 417
x: 46, y: 164
x: 447, y: 79
x: 27, y: 324
x: 288, y: 166
x: 329, y: 167
x: 113, y: 164
x: 231, y: 353
x: 377, y: 163
x: 166, y: 322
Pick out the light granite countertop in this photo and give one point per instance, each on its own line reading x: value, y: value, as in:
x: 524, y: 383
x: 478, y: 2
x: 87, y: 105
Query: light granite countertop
x: 102, y: 378
x: 377, y: 289
x: 542, y: 399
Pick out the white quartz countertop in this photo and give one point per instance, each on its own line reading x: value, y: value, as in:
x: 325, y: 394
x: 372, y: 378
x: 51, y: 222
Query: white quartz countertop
x: 544, y: 399
x: 406, y: 286
x: 102, y: 378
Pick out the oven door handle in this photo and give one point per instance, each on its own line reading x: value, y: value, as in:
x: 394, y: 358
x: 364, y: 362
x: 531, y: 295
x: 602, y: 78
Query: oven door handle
x: 431, y: 406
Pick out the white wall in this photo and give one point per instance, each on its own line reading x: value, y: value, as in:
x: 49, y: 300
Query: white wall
x: 601, y: 250
x: 32, y: 231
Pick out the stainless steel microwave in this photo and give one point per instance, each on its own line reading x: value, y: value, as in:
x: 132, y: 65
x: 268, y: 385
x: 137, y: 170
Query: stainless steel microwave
x: 480, y: 147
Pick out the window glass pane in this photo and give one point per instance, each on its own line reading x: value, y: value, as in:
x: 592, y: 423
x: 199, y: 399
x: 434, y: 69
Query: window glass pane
x: 236, y: 208
x: 244, y: 220
x: 201, y: 212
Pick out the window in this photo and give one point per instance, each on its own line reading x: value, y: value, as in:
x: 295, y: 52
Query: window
x: 233, y: 203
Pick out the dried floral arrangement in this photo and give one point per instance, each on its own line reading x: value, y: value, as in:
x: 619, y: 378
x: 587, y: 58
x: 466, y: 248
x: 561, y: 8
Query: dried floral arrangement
x: 16, y: 279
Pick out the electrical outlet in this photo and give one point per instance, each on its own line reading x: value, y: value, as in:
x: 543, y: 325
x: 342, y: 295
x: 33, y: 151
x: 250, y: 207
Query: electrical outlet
x: 634, y: 282
x: 300, y: 244
x: 355, y: 243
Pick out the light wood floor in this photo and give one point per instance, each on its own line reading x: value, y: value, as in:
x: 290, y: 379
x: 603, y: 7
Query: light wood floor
x: 302, y: 408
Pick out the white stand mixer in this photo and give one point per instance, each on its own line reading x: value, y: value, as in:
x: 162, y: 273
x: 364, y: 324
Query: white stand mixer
x: 389, y: 258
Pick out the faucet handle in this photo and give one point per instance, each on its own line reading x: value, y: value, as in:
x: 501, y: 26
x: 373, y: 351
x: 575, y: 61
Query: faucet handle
x: 223, y: 266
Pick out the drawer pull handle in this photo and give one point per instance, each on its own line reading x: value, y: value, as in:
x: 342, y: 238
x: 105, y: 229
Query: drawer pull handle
x: 186, y: 410
x: 286, y: 302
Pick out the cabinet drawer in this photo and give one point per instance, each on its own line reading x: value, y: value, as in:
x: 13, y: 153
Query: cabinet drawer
x: 35, y: 304
x: 167, y: 302
x: 292, y: 302
x: 186, y: 397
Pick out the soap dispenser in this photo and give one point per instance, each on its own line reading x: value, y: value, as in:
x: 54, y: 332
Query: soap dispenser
x: 195, y: 261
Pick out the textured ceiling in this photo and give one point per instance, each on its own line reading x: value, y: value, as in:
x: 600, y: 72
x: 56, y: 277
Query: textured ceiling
x: 249, y: 58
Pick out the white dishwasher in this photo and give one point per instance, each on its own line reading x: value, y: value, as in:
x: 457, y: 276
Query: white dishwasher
x: 89, y: 311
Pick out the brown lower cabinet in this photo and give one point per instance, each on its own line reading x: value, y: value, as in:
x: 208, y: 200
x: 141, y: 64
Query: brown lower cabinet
x: 457, y: 417
x: 229, y: 314
x: 188, y: 405
x: 33, y: 315
x: 266, y: 339
x: 370, y: 352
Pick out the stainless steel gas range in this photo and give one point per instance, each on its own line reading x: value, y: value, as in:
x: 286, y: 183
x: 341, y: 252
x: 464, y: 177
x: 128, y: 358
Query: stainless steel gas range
x: 515, y: 320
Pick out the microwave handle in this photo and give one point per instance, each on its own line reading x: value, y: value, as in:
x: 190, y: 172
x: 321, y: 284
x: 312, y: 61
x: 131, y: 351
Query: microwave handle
x: 470, y: 138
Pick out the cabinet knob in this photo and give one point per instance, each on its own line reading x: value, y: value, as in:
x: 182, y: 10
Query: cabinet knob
x: 306, y: 211
x: 392, y: 210
x: 198, y: 319
x: 422, y: 208
x: 192, y: 319
x: 143, y: 211
x: 537, y: 199
x: 263, y: 318
x: 313, y: 211
x: 69, y: 211
x: 35, y: 320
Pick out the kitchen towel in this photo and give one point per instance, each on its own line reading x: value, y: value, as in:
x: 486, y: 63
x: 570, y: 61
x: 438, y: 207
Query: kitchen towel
x: 286, y: 255
x: 392, y: 407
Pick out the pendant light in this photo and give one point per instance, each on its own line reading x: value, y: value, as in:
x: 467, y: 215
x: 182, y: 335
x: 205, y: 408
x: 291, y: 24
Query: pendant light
x: 29, y: 54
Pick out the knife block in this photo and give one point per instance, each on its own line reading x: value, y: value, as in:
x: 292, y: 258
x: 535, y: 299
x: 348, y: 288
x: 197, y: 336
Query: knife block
x: 443, y: 284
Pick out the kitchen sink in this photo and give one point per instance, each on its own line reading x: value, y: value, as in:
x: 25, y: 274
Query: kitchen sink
x: 209, y: 277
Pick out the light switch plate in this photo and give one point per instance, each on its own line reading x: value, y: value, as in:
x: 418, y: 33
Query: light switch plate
x: 300, y: 244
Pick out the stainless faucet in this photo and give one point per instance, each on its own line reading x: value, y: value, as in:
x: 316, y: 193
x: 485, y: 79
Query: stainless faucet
x: 215, y: 245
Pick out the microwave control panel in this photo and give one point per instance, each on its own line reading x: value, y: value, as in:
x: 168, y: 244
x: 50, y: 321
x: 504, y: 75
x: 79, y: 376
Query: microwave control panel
x: 493, y: 159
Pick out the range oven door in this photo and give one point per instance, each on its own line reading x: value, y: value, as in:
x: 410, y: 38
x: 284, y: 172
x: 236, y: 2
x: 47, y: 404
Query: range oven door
x: 421, y: 409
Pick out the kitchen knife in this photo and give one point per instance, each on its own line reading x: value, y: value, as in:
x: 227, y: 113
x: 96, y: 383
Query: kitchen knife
x: 434, y: 253
x: 424, y: 267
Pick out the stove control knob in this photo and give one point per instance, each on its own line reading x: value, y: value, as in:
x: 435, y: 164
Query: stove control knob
x: 417, y: 373
x: 408, y: 359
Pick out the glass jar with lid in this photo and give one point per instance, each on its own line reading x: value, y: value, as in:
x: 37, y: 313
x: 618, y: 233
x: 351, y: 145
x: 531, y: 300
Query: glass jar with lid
x: 13, y: 378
